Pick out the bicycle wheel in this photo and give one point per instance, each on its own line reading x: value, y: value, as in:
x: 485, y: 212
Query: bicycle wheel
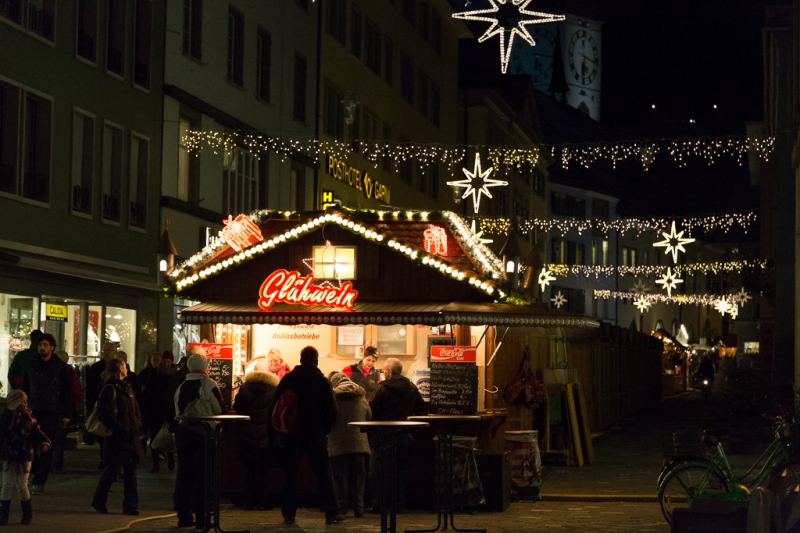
x: 683, y: 482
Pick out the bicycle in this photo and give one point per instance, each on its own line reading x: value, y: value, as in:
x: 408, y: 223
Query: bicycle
x: 695, y: 476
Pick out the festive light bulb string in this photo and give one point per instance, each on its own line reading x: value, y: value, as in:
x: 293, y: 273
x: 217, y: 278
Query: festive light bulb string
x: 657, y: 270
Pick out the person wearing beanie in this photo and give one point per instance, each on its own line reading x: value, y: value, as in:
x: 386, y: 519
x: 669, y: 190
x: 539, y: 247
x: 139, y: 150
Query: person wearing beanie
x: 364, y: 373
x: 348, y: 447
x: 190, y: 479
x: 254, y: 399
x: 156, y: 402
x: 20, y: 439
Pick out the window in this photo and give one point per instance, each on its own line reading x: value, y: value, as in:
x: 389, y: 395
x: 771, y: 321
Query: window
x: 192, y: 27
x: 302, y: 4
x: 356, y: 40
x: 235, y: 47
x: 600, y: 251
x: 371, y: 130
x: 86, y: 37
x: 410, y: 11
x: 559, y: 249
x: 646, y: 258
x: 388, y: 62
x: 539, y: 182
x: 436, y: 105
x: 37, y: 16
x: 188, y: 165
x: 239, y: 181
x: 422, y: 182
x: 422, y: 93
x: 9, y: 137
x: 425, y: 19
x: 337, y: 20
x: 82, y: 162
x: 300, y: 96
x: 407, y: 79
x: 334, y: 112
x: 355, y: 130
x: 335, y: 262
x: 575, y: 299
x: 115, y: 52
x: 567, y: 205
x: 373, y: 48
x: 406, y: 166
x: 264, y: 65
x: 112, y: 171
x: 436, y: 31
x: 137, y: 191
x: 387, y: 138
x: 433, y: 181
x: 143, y: 43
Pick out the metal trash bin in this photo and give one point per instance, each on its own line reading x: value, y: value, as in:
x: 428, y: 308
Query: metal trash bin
x: 526, y: 465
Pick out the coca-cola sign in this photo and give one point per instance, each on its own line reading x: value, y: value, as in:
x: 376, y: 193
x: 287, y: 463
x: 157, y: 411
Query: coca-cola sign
x: 452, y: 354
x: 214, y: 351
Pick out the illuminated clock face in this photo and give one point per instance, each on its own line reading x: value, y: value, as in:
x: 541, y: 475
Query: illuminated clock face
x: 536, y: 60
x: 584, y: 57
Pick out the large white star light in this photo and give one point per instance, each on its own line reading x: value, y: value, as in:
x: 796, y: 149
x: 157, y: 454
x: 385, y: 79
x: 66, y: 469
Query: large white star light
x: 673, y: 242
x: 492, y: 16
x: 545, y: 277
x: 723, y: 305
x: 642, y: 303
x: 669, y: 281
x: 477, y: 183
x: 742, y: 297
x: 479, y: 234
x: 640, y: 287
x: 559, y: 300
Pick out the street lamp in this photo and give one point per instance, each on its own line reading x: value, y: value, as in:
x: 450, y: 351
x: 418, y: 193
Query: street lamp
x: 166, y: 254
x: 512, y: 254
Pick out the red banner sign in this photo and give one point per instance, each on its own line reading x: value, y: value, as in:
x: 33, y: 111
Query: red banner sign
x: 291, y: 287
x: 214, y: 351
x: 453, y: 354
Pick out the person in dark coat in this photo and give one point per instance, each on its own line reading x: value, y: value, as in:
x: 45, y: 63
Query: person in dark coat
x: 118, y: 410
x: 348, y: 447
x: 16, y: 372
x: 156, y: 400
x: 395, y: 398
x: 316, y: 414
x: 21, y: 439
x: 132, y: 378
x: 94, y: 382
x: 255, y: 399
x: 49, y: 392
x: 364, y: 373
x: 190, y: 479
x: 150, y: 369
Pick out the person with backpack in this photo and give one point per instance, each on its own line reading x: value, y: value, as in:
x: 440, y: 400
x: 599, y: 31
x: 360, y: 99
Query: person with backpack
x: 197, y: 395
x: 255, y: 400
x: 304, y: 413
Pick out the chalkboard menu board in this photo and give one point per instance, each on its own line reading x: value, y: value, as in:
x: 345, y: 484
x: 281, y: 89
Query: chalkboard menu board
x: 221, y: 371
x: 454, y: 388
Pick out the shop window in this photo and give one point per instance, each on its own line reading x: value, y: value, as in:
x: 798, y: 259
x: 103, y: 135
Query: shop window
x: 138, y: 180
x: 86, y: 30
x: 115, y: 37
x: 142, y: 44
x: 264, y: 65
x: 18, y: 318
x: 239, y: 181
x: 120, y: 329
x: 300, y: 68
x: 112, y: 171
x: 235, y: 47
x: 192, y: 27
x: 82, y: 162
x: 335, y: 262
x: 91, y: 351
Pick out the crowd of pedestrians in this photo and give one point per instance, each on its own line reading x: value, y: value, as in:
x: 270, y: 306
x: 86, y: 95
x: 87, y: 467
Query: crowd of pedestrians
x: 294, y: 413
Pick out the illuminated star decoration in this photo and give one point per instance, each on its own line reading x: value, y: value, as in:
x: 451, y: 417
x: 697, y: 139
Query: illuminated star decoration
x: 640, y: 287
x: 669, y: 281
x: 642, y: 303
x: 673, y: 242
x: 519, y: 29
x: 545, y: 277
x: 479, y: 235
x: 481, y: 179
x: 742, y: 297
x: 559, y: 300
x: 723, y: 305
x: 310, y: 263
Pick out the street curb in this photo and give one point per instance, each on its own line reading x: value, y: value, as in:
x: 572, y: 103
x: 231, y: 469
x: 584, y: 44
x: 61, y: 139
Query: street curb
x: 634, y: 498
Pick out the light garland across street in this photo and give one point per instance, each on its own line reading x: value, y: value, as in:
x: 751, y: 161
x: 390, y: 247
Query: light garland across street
x: 725, y: 222
x: 504, y: 158
x: 678, y: 299
x: 658, y: 270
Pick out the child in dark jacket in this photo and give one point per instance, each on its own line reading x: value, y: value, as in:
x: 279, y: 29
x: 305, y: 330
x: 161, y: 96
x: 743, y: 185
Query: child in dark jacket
x: 20, y: 438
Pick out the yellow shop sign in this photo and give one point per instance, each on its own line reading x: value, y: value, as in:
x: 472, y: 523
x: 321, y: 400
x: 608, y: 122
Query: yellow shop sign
x: 372, y: 188
x: 56, y: 312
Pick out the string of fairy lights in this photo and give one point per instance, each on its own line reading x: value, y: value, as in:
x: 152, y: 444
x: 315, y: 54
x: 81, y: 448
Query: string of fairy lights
x: 503, y: 158
x: 650, y: 270
x: 637, y: 226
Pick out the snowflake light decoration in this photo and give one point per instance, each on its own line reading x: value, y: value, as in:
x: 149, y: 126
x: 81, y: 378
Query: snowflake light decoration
x: 642, y: 303
x: 479, y: 234
x: 477, y: 183
x: 673, y: 242
x: 519, y: 29
x: 545, y: 277
x: 742, y: 297
x: 640, y: 287
x: 559, y: 300
x: 669, y: 281
x: 723, y: 305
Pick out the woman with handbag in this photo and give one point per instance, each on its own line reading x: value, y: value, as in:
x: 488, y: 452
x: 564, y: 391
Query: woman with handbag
x: 255, y: 400
x: 118, y: 410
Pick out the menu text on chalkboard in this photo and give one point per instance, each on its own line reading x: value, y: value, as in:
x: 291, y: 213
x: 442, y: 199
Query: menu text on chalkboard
x: 454, y: 389
x: 221, y: 371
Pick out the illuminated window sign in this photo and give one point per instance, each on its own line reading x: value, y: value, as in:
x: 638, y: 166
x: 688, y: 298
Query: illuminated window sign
x: 372, y: 188
x: 292, y: 288
x: 335, y: 262
x: 55, y: 312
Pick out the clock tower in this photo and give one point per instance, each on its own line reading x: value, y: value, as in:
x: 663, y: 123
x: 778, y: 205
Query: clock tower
x: 575, y: 43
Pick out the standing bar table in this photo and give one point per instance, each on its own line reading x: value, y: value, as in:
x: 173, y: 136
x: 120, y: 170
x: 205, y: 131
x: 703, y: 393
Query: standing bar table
x: 213, y: 425
x: 387, y: 432
x: 445, y: 426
